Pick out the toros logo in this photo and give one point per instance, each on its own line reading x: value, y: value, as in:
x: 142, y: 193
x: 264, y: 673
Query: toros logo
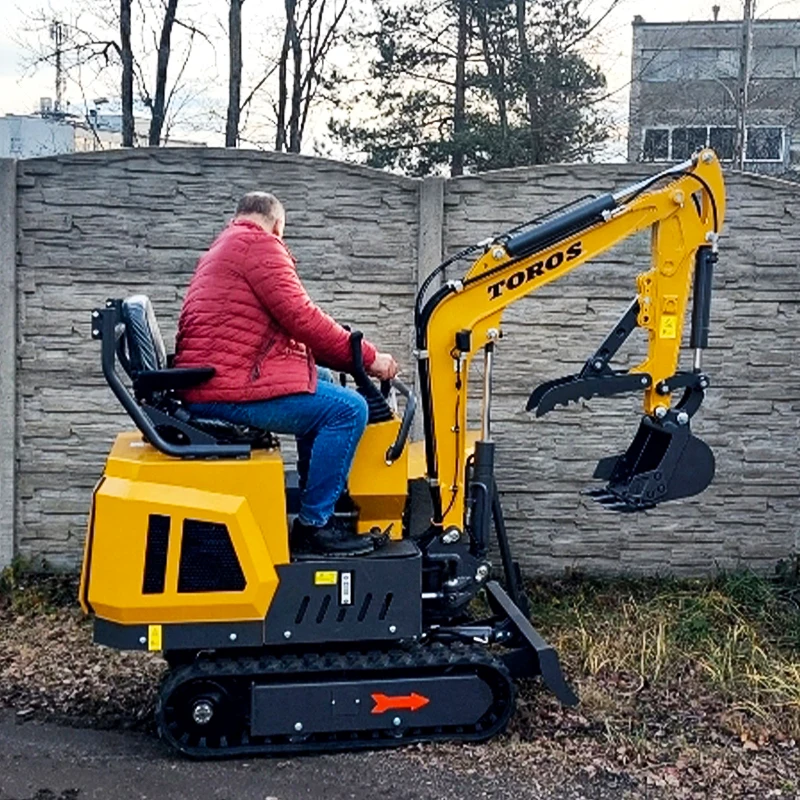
x: 535, y: 270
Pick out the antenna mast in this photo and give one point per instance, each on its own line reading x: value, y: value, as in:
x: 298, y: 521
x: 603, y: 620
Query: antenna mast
x: 57, y: 35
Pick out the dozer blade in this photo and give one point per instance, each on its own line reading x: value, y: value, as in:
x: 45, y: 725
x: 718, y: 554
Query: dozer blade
x: 664, y: 462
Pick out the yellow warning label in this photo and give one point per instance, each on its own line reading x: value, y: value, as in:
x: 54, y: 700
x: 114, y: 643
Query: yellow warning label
x: 154, y: 637
x: 669, y: 326
x: 322, y: 578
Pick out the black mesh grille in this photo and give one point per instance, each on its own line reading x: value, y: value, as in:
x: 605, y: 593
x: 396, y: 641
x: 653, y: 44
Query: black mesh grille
x: 208, y: 560
x: 155, y: 557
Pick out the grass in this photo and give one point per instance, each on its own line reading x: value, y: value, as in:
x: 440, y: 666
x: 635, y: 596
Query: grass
x: 28, y: 586
x: 689, y: 688
x: 737, y: 634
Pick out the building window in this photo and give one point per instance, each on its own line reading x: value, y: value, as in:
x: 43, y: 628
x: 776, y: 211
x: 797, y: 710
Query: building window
x: 764, y: 144
x: 656, y: 144
x: 723, y: 141
x: 677, y: 144
x: 686, y: 140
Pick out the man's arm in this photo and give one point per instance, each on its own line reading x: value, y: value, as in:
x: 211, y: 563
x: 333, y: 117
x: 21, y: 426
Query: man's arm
x: 272, y: 276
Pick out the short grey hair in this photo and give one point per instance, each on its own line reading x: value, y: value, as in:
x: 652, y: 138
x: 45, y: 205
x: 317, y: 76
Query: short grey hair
x: 262, y: 203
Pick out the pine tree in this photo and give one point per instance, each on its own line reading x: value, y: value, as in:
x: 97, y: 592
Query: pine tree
x: 476, y: 85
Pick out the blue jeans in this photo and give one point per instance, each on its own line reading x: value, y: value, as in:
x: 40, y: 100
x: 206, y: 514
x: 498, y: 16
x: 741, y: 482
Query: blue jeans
x: 328, y: 425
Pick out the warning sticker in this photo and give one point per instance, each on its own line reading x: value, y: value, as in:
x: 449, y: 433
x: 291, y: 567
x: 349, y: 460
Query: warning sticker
x: 154, y: 637
x: 346, y: 589
x: 322, y: 578
x: 669, y: 326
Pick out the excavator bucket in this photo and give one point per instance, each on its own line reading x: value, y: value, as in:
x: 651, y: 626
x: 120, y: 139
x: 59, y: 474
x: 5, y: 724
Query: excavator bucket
x: 664, y: 462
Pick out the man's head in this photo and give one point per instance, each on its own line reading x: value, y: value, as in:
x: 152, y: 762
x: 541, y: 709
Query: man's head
x: 264, y: 209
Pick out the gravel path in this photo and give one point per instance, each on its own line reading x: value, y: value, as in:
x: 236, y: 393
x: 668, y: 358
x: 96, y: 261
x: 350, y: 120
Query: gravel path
x: 45, y: 761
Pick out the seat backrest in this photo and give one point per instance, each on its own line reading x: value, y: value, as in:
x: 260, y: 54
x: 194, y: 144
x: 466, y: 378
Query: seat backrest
x: 146, y: 349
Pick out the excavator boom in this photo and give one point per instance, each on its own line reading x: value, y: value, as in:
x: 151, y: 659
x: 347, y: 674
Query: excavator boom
x: 684, y: 207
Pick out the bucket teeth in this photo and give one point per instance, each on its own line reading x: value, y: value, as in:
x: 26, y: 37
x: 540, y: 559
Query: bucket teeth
x: 613, y: 502
x: 597, y: 493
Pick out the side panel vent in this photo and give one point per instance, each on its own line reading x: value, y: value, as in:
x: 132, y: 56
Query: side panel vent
x: 155, y: 557
x: 208, y: 560
x: 374, y: 598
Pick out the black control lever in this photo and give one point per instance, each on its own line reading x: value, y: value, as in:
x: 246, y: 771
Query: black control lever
x: 394, y: 452
x: 379, y: 410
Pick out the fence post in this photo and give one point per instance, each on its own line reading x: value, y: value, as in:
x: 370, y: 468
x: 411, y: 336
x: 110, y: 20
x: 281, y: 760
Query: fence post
x: 8, y: 356
x: 431, y: 226
x: 429, y: 250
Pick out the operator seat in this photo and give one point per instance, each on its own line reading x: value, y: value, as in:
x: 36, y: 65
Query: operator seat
x: 157, y: 385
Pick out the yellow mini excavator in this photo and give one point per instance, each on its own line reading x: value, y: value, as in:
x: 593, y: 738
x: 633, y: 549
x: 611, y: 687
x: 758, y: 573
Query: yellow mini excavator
x: 187, y: 549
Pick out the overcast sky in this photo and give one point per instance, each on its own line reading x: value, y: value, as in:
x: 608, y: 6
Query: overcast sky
x: 21, y: 88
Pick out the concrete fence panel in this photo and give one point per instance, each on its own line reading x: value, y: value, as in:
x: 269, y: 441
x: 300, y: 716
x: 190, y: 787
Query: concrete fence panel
x: 105, y: 225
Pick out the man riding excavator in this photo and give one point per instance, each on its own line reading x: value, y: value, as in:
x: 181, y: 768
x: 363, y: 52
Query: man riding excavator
x: 376, y: 642
x: 247, y: 294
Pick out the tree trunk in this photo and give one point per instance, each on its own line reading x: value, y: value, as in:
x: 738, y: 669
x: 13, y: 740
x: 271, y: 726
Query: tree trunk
x: 459, y: 103
x: 297, y: 82
x: 235, y: 73
x: 530, y: 98
x: 127, y: 72
x: 283, y: 88
x: 495, y: 70
x: 157, y: 110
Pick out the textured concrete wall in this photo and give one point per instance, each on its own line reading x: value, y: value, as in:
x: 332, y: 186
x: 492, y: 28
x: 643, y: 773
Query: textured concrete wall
x: 8, y: 355
x: 105, y: 225
x: 751, y: 512
x: 92, y: 226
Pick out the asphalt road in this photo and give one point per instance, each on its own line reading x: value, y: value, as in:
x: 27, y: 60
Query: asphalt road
x: 44, y: 761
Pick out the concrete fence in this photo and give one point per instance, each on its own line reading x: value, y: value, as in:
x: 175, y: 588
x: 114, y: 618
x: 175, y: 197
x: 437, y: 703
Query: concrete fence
x: 77, y: 229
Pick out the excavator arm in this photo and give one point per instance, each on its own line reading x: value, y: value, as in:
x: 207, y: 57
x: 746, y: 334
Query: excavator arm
x: 684, y: 208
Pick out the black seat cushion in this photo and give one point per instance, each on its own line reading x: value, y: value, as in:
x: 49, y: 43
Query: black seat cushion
x: 155, y: 382
x: 231, y: 433
x: 146, y: 350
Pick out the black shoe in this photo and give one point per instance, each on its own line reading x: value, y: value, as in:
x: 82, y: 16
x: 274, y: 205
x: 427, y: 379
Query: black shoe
x: 332, y: 539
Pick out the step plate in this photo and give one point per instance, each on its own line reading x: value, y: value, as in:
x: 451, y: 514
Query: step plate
x: 303, y: 708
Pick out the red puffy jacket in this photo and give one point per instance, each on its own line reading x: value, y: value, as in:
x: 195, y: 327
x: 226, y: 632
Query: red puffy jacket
x: 247, y: 314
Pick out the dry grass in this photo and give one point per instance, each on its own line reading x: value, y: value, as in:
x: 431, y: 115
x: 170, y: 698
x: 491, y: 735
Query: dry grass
x: 738, y: 635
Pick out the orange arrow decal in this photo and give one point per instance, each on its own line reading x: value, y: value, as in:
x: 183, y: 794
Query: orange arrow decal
x: 407, y: 702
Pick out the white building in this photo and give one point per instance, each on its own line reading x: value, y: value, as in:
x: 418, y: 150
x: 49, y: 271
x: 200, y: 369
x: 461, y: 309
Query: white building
x: 34, y: 136
x: 50, y: 134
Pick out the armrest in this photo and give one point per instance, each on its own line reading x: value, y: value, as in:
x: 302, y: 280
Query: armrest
x: 162, y: 380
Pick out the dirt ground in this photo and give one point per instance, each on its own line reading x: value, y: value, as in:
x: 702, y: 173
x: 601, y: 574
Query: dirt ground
x: 77, y: 725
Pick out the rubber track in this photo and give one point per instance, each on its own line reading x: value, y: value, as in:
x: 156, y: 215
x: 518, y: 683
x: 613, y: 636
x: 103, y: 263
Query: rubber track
x: 237, y: 675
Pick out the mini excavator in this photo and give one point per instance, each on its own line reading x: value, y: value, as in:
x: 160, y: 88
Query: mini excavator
x: 187, y: 546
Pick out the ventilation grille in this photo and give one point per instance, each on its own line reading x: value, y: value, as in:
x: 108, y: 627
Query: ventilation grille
x: 318, y: 610
x: 155, y: 557
x: 208, y: 560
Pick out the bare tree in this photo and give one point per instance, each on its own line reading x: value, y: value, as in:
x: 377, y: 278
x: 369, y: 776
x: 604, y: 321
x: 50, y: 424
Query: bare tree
x: 157, y: 102
x: 460, y: 94
x: 109, y: 40
x: 311, y: 30
x: 283, y: 71
x: 235, y: 73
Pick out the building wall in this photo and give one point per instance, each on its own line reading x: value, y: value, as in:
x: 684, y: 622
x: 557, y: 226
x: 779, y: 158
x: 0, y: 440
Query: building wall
x: 106, y: 224
x: 686, y: 74
x: 33, y: 137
